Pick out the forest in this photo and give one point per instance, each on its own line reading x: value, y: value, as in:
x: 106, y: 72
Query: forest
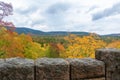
x: 23, y: 45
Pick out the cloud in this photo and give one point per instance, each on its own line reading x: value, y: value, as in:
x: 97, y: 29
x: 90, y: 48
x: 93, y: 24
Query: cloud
x: 91, y: 9
x: 62, y: 15
x: 106, y: 25
x: 26, y: 10
x: 55, y: 15
x: 57, y: 8
x: 114, y: 10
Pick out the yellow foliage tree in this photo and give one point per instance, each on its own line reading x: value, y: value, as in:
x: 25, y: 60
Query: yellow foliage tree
x: 114, y: 44
x: 9, y: 44
x: 15, y: 45
x: 80, y: 47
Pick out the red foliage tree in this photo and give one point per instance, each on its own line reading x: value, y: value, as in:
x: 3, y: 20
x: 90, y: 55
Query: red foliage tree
x: 6, y: 10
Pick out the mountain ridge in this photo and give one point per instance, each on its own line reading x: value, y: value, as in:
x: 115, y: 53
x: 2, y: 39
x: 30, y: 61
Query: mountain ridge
x: 24, y: 30
x: 38, y: 32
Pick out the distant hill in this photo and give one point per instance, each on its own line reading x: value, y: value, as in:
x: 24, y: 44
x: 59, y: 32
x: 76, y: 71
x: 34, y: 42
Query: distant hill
x: 38, y: 32
x: 53, y: 33
x: 117, y: 34
x: 28, y: 31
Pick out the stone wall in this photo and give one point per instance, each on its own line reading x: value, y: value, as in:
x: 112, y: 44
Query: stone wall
x: 111, y: 58
x: 106, y: 66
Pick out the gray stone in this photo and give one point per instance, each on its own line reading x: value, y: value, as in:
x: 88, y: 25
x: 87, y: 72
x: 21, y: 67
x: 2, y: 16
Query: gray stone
x: 95, y: 79
x: 111, y: 57
x: 16, y: 69
x: 52, y: 69
x: 92, y: 79
x: 86, y: 68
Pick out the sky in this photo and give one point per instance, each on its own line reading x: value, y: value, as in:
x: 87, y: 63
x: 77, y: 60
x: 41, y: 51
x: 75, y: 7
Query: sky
x: 98, y: 16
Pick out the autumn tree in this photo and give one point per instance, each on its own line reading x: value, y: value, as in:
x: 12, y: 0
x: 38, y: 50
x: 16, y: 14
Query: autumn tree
x: 114, y: 44
x: 9, y: 44
x: 13, y: 44
x: 31, y: 49
x: 53, y: 50
x: 80, y: 47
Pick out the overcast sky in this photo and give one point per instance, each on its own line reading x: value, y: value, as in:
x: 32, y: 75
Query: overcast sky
x: 99, y: 16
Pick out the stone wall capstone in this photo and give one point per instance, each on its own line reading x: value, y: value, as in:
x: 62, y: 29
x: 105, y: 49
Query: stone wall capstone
x: 86, y: 68
x: 111, y: 58
x: 52, y: 69
x: 16, y: 69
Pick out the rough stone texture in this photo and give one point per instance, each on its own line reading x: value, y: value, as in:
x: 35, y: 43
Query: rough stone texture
x: 92, y: 79
x: 16, y: 69
x: 86, y: 68
x: 52, y: 69
x: 95, y: 79
x: 111, y: 57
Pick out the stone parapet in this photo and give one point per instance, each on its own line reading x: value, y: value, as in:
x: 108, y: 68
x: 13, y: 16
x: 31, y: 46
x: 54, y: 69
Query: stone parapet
x: 106, y: 66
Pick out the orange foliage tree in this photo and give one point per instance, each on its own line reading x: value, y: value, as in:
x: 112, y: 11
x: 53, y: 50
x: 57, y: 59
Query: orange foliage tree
x: 54, y: 50
x: 9, y: 45
x: 15, y: 45
x: 114, y: 44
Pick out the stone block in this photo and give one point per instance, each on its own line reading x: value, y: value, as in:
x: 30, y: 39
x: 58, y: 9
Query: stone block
x: 95, y: 79
x: 16, y: 69
x: 111, y: 58
x: 52, y: 69
x: 86, y: 68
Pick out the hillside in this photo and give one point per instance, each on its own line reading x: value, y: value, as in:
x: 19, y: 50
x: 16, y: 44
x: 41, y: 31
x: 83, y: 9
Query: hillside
x: 38, y: 32
x: 28, y: 31
x: 117, y: 34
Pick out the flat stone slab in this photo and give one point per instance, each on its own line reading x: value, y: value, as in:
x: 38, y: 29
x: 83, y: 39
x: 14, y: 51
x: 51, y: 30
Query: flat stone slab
x: 86, y: 68
x: 16, y: 69
x: 52, y: 69
x: 92, y: 79
x: 111, y: 58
